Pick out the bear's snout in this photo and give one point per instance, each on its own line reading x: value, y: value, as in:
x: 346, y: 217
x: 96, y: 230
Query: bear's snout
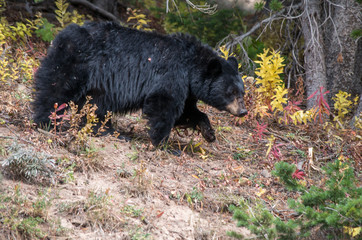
x: 237, y: 107
x: 242, y: 113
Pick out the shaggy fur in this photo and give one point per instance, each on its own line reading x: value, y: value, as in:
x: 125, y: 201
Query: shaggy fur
x: 125, y: 70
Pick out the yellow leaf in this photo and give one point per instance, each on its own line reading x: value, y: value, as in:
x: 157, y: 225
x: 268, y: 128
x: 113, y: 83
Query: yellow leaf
x: 261, y: 192
x: 352, y: 231
x: 131, y: 18
x: 197, y: 144
x: 270, y: 144
x: 303, y: 183
x: 342, y: 104
x: 202, y: 151
x: 270, y: 198
x: 204, y: 156
x: 225, y: 52
x: 195, y: 176
x: 142, y: 21
x: 355, y: 100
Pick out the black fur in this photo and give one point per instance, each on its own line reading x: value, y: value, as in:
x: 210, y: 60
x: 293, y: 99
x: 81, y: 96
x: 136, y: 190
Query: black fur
x: 125, y: 70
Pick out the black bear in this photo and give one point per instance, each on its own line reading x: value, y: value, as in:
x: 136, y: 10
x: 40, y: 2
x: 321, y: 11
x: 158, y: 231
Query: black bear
x: 124, y: 70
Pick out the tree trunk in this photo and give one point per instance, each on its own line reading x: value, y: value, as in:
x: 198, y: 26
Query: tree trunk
x: 358, y: 74
x: 343, y: 55
x: 314, y: 55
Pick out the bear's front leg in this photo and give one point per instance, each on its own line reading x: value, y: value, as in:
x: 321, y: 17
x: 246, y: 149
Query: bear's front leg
x: 161, y: 112
x: 205, y: 127
x: 194, y: 118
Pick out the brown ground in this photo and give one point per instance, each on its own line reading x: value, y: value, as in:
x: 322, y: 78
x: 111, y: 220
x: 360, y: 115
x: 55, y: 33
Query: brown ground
x: 134, y: 177
x: 128, y: 190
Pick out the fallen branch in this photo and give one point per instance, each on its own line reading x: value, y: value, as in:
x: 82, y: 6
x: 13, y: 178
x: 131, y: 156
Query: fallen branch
x: 271, y: 131
x: 7, y: 137
x: 17, y: 137
x: 96, y: 9
x: 46, y: 132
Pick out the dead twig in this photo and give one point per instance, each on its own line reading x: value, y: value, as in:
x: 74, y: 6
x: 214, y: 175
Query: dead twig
x: 325, y: 158
x: 205, y: 8
x: 271, y: 131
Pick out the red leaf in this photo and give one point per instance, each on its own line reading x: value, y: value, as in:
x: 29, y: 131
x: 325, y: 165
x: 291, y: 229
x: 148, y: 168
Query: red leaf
x: 298, y: 174
x: 276, y: 151
x: 325, y: 103
x: 160, y: 213
x: 64, y: 116
x: 311, y: 96
x: 297, y: 102
x: 260, y: 129
x: 61, y: 107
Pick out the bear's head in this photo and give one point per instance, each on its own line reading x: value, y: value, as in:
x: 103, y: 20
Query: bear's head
x: 226, y: 89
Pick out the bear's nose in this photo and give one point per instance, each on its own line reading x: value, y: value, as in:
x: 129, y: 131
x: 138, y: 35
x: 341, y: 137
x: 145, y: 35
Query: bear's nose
x: 243, y: 112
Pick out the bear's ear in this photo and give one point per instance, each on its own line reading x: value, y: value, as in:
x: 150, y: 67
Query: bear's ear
x: 233, y: 62
x: 214, y: 67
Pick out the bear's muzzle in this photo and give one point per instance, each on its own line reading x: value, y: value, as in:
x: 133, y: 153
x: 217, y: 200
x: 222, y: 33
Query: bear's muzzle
x: 237, y: 107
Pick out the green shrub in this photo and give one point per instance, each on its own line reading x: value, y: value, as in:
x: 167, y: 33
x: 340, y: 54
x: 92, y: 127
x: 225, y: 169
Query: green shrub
x: 29, y: 164
x: 334, y: 208
x: 46, y: 30
x: 285, y: 171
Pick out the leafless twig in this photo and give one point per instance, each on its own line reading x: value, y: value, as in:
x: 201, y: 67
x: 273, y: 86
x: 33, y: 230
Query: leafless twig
x: 205, y: 8
x: 231, y: 41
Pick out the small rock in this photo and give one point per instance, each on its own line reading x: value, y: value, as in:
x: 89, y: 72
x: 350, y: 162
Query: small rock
x: 21, y: 88
x: 266, y: 173
x: 65, y: 223
x: 244, y: 181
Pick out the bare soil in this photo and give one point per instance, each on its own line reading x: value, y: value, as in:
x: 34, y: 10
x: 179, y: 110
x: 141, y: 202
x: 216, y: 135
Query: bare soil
x: 178, y: 197
x: 128, y: 190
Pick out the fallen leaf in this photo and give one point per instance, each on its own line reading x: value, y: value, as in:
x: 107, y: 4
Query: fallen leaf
x: 261, y: 192
x: 195, y: 176
x: 340, y: 58
x: 159, y: 214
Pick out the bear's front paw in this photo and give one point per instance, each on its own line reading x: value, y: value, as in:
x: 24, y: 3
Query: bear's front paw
x: 207, y: 132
